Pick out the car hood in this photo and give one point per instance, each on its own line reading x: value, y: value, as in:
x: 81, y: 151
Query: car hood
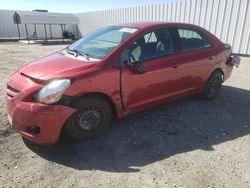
x: 55, y: 66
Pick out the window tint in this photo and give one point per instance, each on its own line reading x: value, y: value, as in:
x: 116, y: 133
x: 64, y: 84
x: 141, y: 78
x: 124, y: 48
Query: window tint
x: 191, y: 40
x: 151, y: 45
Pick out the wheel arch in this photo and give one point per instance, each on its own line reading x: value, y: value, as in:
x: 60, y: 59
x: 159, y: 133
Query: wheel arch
x: 100, y: 95
x: 220, y: 70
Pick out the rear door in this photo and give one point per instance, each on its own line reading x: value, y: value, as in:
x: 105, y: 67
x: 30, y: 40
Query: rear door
x: 161, y: 78
x: 196, y: 57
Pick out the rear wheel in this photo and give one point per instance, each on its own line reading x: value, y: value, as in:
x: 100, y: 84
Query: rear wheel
x: 213, y: 86
x: 92, y: 117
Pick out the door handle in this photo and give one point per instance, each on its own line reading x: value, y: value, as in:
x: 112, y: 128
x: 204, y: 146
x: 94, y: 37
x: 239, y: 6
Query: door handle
x: 174, y: 65
x: 211, y: 57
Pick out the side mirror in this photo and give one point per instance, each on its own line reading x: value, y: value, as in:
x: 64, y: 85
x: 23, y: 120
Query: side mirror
x: 136, y: 66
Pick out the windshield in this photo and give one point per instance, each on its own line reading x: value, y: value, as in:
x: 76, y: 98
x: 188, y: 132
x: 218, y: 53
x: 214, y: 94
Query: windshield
x: 101, y: 42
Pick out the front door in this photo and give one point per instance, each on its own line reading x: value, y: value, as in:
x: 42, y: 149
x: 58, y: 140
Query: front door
x: 155, y: 50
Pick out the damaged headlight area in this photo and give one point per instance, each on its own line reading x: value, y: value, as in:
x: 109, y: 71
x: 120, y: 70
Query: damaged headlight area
x: 53, y: 91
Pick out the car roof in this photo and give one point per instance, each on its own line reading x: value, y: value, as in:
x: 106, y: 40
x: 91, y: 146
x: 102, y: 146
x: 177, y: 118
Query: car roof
x: 144, y: 25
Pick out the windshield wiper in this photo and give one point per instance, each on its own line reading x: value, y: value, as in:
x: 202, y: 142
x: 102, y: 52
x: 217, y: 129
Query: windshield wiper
x: 77, y: 52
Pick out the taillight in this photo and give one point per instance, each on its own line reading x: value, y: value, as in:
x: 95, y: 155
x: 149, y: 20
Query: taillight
x: 229, y: 59
x: 233, y: 60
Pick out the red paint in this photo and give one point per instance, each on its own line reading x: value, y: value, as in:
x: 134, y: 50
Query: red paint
x: 165, y: 79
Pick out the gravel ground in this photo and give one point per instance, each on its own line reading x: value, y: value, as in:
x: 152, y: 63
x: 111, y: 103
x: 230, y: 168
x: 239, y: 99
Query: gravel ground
x: 190, y: 143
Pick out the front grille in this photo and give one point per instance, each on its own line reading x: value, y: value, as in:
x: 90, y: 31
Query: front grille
x: 11, y: 92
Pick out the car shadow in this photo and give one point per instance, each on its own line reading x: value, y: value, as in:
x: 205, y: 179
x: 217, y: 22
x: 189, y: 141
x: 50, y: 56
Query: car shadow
x: 154, y: 135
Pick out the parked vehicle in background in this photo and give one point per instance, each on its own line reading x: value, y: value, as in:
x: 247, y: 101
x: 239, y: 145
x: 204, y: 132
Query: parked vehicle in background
x: 113, y: 72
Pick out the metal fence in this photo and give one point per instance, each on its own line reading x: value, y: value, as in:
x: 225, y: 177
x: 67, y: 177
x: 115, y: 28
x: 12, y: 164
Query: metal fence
x: 229, y: 20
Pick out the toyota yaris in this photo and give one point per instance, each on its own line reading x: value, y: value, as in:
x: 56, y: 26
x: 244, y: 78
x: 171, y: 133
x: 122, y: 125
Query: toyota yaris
x: 113, y: 72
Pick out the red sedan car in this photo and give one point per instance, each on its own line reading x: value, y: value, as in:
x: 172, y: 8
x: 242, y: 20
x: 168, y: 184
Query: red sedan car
x: 112, y: 72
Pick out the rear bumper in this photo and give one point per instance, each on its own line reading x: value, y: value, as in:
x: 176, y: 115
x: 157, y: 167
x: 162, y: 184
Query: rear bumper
x: 37, y: 122
x: 233, y: 60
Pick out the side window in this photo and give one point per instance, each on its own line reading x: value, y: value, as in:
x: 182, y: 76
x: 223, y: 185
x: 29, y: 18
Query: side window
x: 191, y: 40
x: 150, y: 37
x: 151, y: 45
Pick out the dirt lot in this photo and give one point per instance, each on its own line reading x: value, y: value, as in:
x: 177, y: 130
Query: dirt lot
x: 190, y: 143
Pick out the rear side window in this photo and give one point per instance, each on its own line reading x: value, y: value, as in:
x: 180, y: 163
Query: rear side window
x: 191, y: 40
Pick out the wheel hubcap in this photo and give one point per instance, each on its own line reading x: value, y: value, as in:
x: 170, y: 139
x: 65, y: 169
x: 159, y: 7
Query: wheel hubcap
x: 89, y: 119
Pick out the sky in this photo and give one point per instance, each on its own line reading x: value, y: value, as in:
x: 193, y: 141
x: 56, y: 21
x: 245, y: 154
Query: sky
x: 73, y: 6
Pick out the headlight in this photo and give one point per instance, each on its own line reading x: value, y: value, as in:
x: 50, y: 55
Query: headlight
x: 52, y: 92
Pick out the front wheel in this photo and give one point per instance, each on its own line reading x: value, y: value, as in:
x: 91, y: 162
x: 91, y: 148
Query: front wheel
x: 213, y: 86
x: 92, y: 117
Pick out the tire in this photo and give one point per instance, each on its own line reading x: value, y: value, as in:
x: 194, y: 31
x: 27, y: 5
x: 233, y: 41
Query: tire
x: 213, y: 86
x: 93, y: 117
